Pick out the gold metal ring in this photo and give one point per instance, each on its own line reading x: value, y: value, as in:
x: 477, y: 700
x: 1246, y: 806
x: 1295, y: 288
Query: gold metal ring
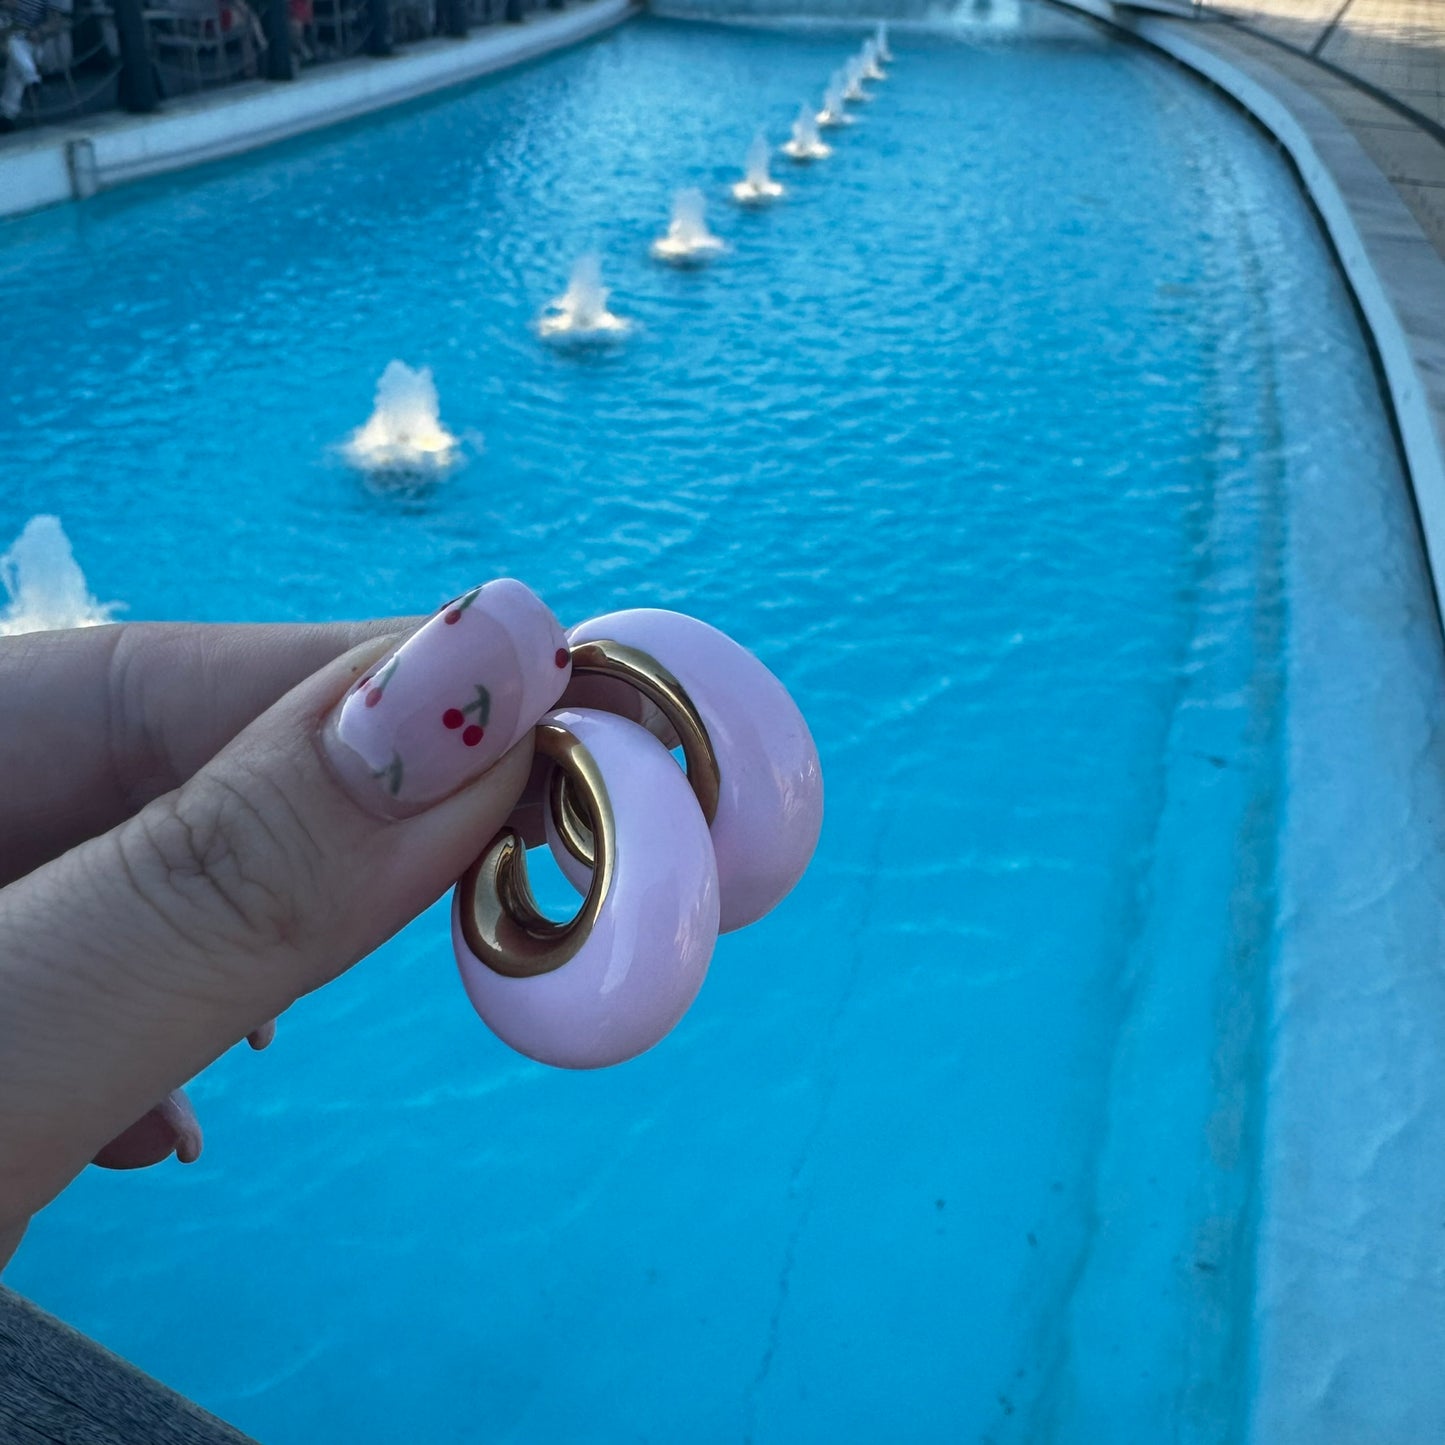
x: 605, y: 658
x: 500, y: 919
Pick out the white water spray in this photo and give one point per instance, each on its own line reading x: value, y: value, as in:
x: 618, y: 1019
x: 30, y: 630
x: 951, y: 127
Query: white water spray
x: 404, y: 432
x: 833, y: 112
x: 688, y: 241
x: 870, y: 67
x: 580, y: 313
x: 757, y: 186
x: 853, y: 80
x: 46, y: 588
x: 805, y: 144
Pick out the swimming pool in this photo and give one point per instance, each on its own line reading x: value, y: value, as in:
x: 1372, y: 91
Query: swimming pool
x: 987, y: 440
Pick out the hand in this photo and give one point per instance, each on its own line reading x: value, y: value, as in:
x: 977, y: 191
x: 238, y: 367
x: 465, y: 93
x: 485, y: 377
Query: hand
x: 204, y: 823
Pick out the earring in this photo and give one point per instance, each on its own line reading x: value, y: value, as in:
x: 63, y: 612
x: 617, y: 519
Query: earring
x: 614, y: 980
x: 664, y: 859
x: 750, y: 758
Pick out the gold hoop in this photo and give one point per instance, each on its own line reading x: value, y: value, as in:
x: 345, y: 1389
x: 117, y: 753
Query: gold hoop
x: 500, y: 919
x: 640, y: 670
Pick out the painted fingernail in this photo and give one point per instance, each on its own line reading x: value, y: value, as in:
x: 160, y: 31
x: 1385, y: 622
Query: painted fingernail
x: 445, y: 705
x: 181, y: 1119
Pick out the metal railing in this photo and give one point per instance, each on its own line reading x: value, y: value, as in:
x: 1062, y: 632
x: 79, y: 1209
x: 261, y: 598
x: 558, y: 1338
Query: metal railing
x: 87, y: 56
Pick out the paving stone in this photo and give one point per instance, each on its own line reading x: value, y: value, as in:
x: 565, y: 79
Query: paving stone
x: 1398, y: 46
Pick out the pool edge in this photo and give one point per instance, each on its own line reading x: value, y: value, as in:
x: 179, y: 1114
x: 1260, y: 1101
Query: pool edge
x: 65, y: 163
x: 1346, y: 1328
x: 1394, y: 272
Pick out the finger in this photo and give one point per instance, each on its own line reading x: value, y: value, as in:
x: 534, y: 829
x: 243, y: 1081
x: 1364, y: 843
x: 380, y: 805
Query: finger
x: 527, y: 817
x: 610, y: 695
x: 97, y: 721
x: 263, y: 1037
x: 135, y: 959
x: 10, y: 1237
x: 170, y: 1128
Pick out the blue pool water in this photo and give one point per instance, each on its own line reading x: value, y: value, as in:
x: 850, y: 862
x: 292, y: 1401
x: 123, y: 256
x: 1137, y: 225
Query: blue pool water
x: 982, y: 441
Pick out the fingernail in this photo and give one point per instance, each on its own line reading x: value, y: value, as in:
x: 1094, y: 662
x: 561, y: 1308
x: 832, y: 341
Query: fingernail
x: 445, y: 705
x: 178, y: 1114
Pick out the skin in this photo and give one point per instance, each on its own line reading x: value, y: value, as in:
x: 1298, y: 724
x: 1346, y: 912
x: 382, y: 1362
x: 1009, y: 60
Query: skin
x: 178, y: 865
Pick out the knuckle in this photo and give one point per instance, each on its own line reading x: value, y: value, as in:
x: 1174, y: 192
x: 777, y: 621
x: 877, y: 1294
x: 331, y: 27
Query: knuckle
x: 138, y: 760
x: 224, y: 859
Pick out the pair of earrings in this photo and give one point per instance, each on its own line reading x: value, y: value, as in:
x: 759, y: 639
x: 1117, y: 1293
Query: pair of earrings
x: 665, y: 861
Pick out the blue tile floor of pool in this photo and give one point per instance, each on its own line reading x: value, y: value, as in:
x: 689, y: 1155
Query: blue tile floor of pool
x: 979, y: 439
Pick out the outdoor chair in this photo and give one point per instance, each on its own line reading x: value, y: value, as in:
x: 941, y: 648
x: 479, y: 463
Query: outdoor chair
x: 342, y: 28
x: 413, y: 19
x: 199, y: 37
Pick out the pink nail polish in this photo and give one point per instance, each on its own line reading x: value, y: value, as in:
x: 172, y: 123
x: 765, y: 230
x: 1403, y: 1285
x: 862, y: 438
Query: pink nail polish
x: 442, y: 708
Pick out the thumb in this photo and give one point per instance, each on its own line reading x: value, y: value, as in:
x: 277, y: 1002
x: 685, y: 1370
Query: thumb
x: 132, y: 961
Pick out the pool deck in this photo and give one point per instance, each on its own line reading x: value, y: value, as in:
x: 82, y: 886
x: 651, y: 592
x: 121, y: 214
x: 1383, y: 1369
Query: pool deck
x: 70, y: 162
x: 1395, y: 46
x: 1379, y: 65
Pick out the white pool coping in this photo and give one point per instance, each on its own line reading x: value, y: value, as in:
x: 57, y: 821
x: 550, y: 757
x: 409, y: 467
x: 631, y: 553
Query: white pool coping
x: 69, y: 162
x: 1349, y: 1307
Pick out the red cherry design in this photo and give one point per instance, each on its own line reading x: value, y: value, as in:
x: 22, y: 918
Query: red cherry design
x: 472, y: 736
x: 563, y: 657
x: 373, y: 697
x: 452, y: 718
x: 455, y: 615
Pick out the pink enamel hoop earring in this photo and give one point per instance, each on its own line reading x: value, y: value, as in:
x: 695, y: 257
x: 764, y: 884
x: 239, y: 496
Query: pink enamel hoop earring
x: 658, y: 686
x: 615, y: 979
x: 750, y: 757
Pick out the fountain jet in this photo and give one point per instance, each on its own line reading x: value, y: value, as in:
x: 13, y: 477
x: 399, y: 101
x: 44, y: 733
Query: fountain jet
x: 805, y: 144
x: 833, y: 112
x: 870, y: 67
x: 853, y: 80
x: 46, y: 587
x: 881, y: 52
x: 757, y: 187
x: 688, y: 241
x: 580, y: 313
x: 404, y: 433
